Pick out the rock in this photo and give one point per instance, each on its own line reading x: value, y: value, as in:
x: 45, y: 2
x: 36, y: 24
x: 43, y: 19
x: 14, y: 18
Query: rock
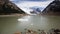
x: 7, y: 7
x: 53, y: 8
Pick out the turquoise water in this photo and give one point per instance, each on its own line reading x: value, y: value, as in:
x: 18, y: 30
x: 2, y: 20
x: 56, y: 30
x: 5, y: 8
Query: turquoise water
x: 9, y: 25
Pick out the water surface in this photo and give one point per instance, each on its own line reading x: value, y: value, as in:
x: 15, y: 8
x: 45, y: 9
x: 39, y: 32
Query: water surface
x: 9, y: 25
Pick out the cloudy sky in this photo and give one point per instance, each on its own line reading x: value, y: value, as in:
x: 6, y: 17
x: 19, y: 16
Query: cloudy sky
x: 26, y: 4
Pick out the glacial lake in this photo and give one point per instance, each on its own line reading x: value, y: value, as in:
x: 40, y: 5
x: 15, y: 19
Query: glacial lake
x: 9, y: 25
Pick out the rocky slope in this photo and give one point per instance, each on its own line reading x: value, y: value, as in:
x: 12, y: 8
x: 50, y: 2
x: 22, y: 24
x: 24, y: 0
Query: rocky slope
x: 53, y: 8
x: 7, y: 7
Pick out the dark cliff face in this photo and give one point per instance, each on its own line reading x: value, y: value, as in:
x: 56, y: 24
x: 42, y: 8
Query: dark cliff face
x: 53, y: 8
x: 7, y: 7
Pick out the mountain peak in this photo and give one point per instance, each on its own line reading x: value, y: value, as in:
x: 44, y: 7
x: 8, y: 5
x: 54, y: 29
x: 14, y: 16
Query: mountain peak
x: 7, y: 7
x: 53, y: 8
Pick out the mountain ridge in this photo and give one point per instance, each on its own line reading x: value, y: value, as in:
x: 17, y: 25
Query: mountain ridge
x: 52, y: 9
x: 7, y: 7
